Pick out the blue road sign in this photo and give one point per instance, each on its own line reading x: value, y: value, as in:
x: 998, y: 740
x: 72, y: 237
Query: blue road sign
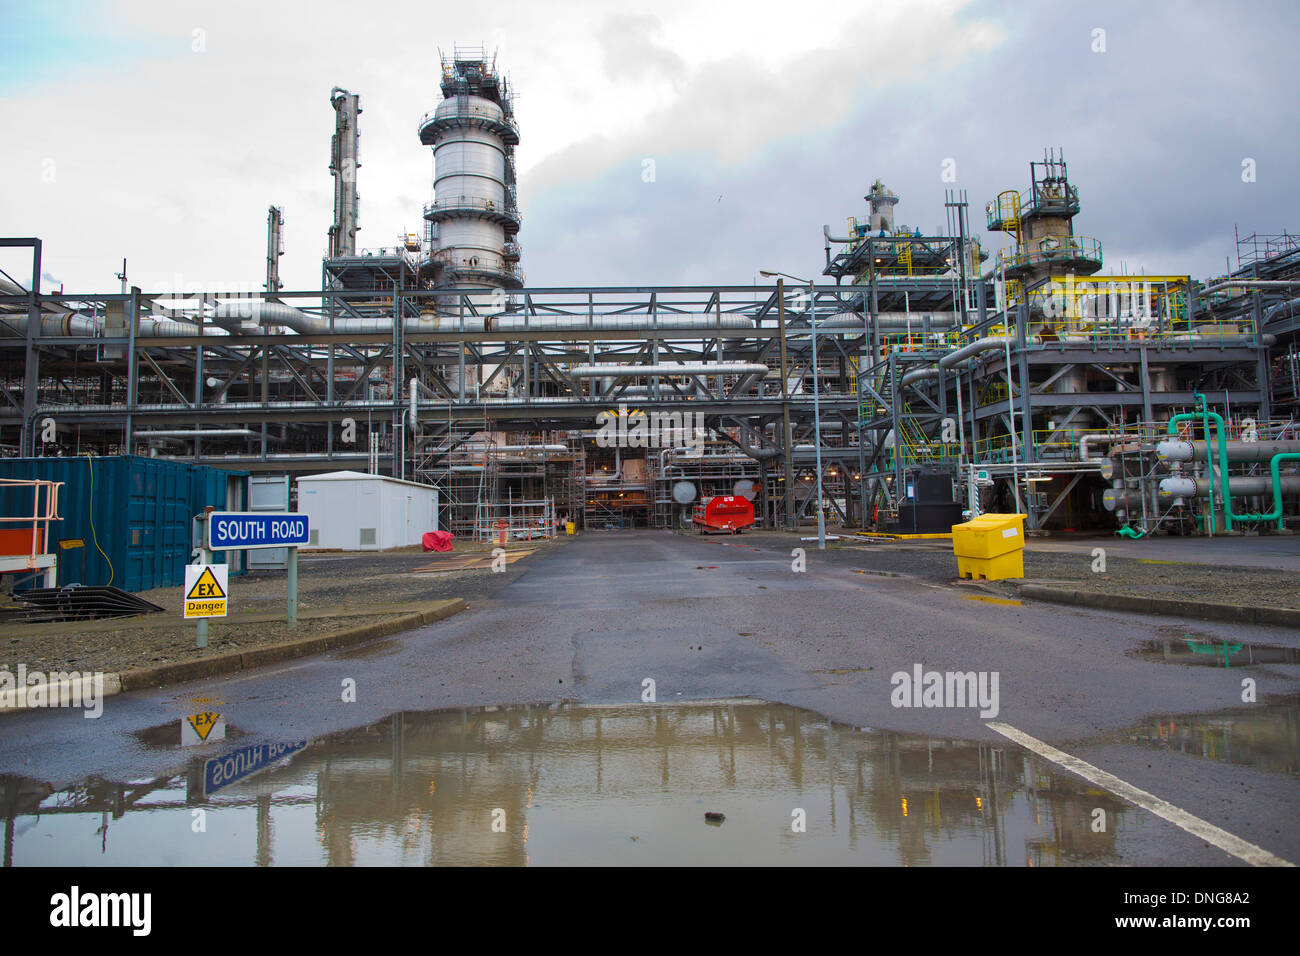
x: 224, y: 770
x: 230, y: 530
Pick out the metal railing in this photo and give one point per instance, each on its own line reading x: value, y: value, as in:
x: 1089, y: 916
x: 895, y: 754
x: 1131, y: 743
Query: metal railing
x: 1121, y: 310
x: 45, y: 509
x: 490, y: 207
x: 470, y: 114
x: 1052, y: 250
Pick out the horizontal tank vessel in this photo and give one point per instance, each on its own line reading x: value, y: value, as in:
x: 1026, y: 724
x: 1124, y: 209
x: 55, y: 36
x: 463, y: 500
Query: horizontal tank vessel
x: 723, y: 513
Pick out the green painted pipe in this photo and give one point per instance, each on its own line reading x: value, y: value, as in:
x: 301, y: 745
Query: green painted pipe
x: 1209, y: 457
x: 1274, y: 467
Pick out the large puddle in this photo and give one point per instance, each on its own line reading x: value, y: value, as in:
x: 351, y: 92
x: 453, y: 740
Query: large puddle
x: 1262, y: 736
x: 564, y: 784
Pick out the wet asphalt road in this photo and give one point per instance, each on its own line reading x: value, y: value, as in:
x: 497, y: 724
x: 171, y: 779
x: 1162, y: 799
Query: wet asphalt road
x: 727, y: 617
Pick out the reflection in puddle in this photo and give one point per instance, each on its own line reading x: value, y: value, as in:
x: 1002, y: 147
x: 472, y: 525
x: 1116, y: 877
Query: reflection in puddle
x: 168, y: 735
x: 1196, y: 649
x: 626, y: 785
x: 1264, y: 736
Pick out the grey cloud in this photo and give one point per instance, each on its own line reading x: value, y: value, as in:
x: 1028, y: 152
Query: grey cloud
x: 630, y: 48
x: 1154, y: 130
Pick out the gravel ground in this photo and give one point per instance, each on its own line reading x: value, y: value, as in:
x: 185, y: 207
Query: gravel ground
x: 129, y: 647
x: 934, y: 561
x: 349, y: 590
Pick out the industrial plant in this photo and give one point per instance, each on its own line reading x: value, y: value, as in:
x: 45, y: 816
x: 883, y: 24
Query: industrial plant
x: 594, y: 539
x: 920, y: 380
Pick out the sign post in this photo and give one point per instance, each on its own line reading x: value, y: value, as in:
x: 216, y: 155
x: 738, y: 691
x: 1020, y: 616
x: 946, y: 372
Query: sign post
x: 246, y: 530
x: 192, y: 604
x: 293, y: 587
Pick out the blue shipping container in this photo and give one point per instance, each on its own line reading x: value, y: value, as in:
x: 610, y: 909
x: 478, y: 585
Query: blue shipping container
x: 135, y: 514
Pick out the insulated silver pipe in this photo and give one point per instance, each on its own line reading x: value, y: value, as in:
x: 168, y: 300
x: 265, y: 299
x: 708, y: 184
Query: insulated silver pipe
x: 685, y: 368
x: 199, y: 433
x: 1175, y: 450
x: 76, y: 325
x: 1277, y: 311
x: 249, y: 317
x: 1243, y: 486
x: 1200, y: 338
x: 1102, y: 436
x: 519, y: 323
x: 66, y: 323
x: 891, y: 320
x: 985, y: 344
x: 1252, y: 284
x: 1120, y: 499
x: 919, y: 373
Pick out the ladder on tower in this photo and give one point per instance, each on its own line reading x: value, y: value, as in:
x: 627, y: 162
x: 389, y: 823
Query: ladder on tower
x: 905, y: 255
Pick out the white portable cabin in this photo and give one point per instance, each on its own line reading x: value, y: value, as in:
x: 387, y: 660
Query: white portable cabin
x: 354, y: 511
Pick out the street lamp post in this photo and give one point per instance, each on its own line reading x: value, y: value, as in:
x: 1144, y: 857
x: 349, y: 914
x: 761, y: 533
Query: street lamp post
x: 817, y: 418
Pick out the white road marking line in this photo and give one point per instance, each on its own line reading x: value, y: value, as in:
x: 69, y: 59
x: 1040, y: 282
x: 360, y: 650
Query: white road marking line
x: 1225, y: 841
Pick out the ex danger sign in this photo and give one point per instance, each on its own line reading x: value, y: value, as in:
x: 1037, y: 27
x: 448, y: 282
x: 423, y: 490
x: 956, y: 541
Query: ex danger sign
x: 206, y: 587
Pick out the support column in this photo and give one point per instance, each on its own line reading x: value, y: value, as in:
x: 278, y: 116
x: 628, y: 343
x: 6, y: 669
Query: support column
x: 132, y: 365
x: 787, y: 439
x: 31, y: 374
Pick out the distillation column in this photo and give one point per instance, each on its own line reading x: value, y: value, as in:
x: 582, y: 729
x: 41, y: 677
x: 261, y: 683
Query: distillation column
x: 344, y: 162
x: 474, y: 217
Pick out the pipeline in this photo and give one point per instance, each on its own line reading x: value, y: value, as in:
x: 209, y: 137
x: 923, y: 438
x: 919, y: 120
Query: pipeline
x: 1200, y: 338
x: 1239, y: 486
x: 246, y: 317
x: 67, y: 323
x: 76, y: 325
x: 199, y: 433
x: 1277, y: 311
x: 59, y: 320
x: 891, y: 320
x: 919, y: 373
x: 966, y: 351
x: 979, y: 345
x: 686, y: 368
x: 1250, y: 283
x: 1178, y: 450
x: 1220, y: 431
x: 1086, y: 439
x: 1121, y: 499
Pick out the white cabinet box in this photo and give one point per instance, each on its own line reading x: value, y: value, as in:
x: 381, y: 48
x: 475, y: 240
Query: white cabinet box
x: 355, y: 511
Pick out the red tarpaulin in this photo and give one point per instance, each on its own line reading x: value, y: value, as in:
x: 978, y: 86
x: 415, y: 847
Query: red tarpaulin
x: 437, y: 540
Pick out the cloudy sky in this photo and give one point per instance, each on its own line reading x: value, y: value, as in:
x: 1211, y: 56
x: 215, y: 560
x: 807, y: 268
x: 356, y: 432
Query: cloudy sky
x: 161, y: 131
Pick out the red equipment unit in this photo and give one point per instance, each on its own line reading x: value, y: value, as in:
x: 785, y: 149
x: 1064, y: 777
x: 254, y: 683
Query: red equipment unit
x: 724, y: 513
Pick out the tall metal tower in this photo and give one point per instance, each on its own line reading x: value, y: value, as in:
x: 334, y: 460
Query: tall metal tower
x: 473, y: 219
x: 344, y: 162
x: 274, y: 248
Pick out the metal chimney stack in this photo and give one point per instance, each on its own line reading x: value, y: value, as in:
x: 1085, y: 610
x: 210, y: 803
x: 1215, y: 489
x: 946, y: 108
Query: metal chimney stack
x: 344, y: 163
x: 274, y: 248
